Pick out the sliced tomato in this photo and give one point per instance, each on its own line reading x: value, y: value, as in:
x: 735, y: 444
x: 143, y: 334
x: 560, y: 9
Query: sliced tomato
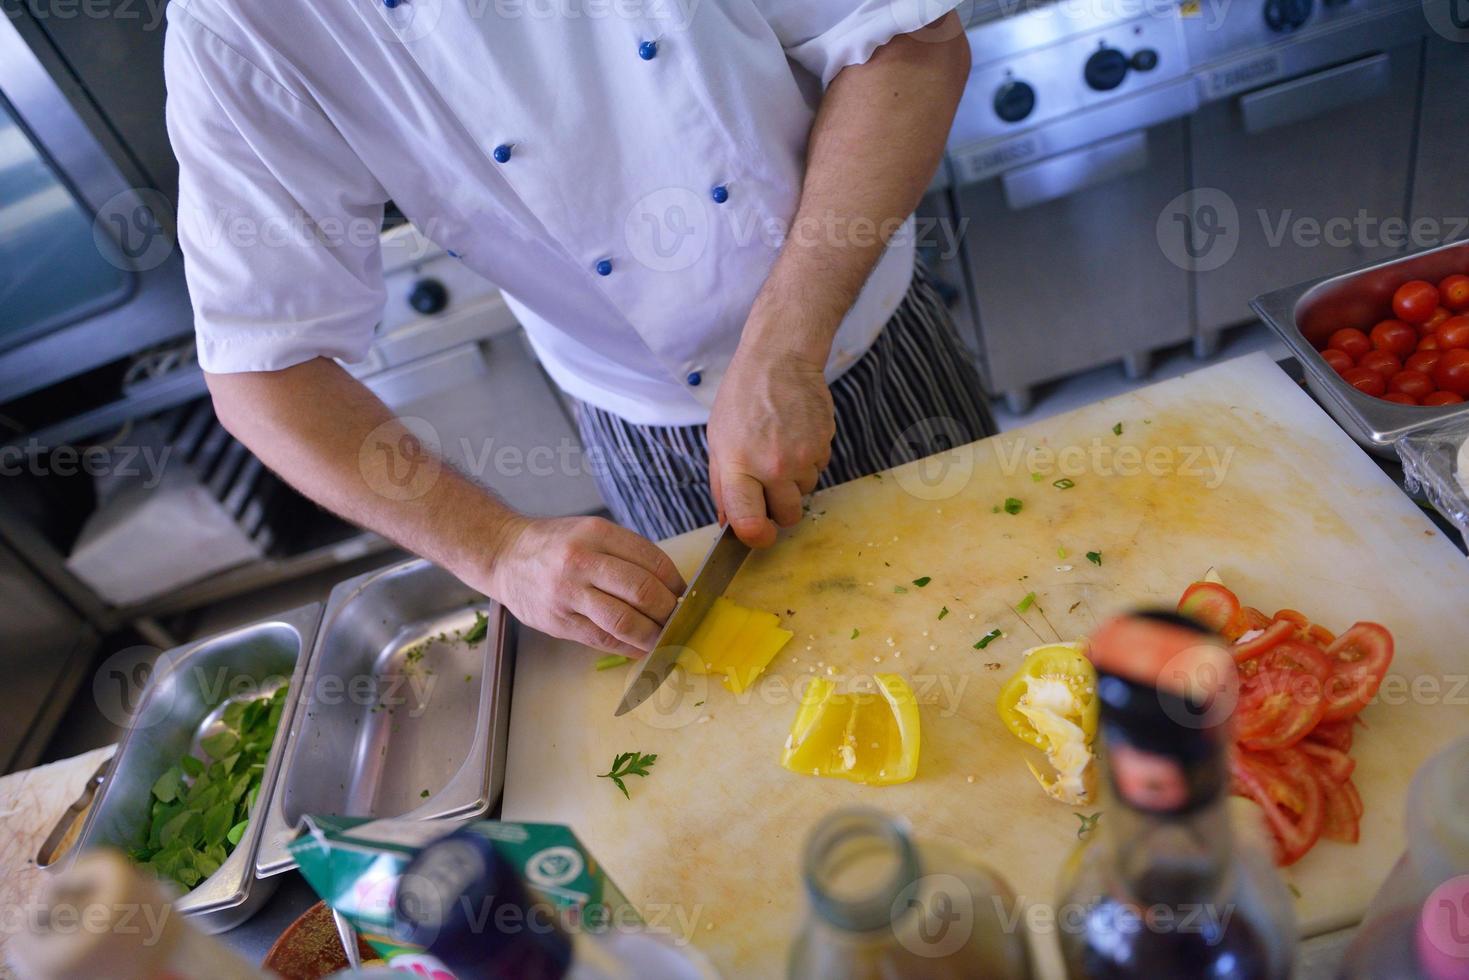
x: 1254, y: 618
x: 1335, y: 763
x: 1292, y: 616
x: 1335, y: 734
x: 1290, y: 796
x: 1338, y: 818
x: 1276, y: 633
x: 1209, y: 604
x: 1360, y: 658
x: 1277, y: 708
x: 1293, y: 654
x: 1320, y: 635
x: 1354, y: 799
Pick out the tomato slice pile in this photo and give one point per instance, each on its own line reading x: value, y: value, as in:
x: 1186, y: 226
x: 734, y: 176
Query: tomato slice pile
x: 1301, y: 689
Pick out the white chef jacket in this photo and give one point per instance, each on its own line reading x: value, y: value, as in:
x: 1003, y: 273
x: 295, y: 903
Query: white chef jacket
x: 625, y: 170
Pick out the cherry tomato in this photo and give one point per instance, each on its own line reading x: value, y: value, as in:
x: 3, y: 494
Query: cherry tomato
x: 1423, y: 360
x: 1398, y: 398
x: 1453, y: 333
x: 1395, y: 336
x: 1451, y: 373
x: 1454, y: 291
x: 1415, y: 301
x: 1360, y: 659
x: 1429, y: 343
x: 1429, y: 325
x: 1210, y: 604
x: 1442, y: 398
x: 1366, y: 380
x: 1414, y: 383
x: 1350, y: 341
x: 1384, y: 362
x: 1339, y: 360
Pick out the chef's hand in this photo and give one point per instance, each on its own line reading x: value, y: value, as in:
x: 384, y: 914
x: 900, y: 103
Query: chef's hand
x: 585, y: 579
x: 769, y: 439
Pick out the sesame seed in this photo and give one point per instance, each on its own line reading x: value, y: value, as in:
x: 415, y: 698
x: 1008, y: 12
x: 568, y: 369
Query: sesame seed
x: 932, y: 647
x: 969, y: 779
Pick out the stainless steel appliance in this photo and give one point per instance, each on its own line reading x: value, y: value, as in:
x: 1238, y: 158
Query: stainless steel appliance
x: 1066, y: 147
x: 1305, y: 136
x: 90, y: 275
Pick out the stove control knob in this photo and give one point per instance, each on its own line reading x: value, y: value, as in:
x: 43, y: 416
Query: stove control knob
x: 1285, y: 16
x: 1144, y: 59
x: 1107, y: 67
x: 428, y: 296
x: 1014, y: 100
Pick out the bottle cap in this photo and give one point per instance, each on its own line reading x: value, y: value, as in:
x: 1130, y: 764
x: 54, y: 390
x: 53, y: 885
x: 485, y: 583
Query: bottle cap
x: 1165, y: 689
x: 464, y: 904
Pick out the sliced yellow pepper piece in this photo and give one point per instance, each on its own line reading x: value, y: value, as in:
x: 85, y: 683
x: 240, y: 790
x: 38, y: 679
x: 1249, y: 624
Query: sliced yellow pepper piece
x: 1051, y: 703
x: 862, y: 736
x: 734, y: 641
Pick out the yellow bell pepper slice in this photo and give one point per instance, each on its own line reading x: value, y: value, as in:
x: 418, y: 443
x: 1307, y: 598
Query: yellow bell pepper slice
x: 865, y: 737
x: 1051, y: 704
x: 734, y: 641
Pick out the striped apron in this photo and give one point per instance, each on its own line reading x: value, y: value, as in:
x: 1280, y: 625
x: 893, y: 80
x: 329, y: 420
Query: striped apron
x: 914, y: 393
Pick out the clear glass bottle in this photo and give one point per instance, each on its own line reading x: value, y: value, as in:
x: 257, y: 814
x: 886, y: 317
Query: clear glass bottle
x: 1398, y: 935
x: 883, y: 905
x: 1164, y: 888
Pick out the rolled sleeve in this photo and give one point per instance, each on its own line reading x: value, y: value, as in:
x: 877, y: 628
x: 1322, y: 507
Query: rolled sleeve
x: 825, y: 36
x: 278, y: 218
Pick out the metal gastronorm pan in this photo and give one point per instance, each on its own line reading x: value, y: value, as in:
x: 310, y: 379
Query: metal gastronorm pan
x: 1306, y: 314
x: 392, y: 727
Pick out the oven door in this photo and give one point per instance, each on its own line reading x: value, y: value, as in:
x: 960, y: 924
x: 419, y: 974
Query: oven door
x: 1312, y: 173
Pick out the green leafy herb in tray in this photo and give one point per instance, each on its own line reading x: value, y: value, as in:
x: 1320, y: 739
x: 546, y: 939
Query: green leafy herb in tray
x: 201, y: 808
x: 478, y: 631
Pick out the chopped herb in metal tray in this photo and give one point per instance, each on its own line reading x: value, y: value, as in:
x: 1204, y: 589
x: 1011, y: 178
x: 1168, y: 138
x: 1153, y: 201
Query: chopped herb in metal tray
x: 201, y: 807
x: 479, y: 630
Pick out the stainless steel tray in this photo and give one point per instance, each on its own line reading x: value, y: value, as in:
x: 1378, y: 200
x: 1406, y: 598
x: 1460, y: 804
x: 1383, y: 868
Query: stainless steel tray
x: 395, y: 723
x: 1308, y: 313
x: 181, y: 703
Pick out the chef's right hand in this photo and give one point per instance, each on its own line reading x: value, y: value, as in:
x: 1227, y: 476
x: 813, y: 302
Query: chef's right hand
x: 585, y: 579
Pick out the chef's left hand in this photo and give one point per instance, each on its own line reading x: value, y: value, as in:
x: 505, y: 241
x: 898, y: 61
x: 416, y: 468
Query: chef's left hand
x: 769, y: 440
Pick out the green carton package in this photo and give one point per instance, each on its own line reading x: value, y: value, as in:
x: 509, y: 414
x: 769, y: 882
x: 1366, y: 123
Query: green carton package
x: 354, y: 865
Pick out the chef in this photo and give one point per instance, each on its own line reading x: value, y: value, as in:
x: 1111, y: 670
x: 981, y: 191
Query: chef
x: 700, y: 211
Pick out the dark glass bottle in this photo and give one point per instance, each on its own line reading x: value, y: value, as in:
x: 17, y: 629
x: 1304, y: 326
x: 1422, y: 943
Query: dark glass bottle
x: 1164, y: 888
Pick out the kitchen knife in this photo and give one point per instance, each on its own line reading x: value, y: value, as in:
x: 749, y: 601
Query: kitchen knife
x: 713, y: 577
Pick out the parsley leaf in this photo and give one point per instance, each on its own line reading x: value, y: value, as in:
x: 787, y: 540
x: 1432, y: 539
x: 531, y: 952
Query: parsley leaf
x: 628, y: 764
x: 478, y: 631
x: 1012, y: 505
x: 1088, y: 824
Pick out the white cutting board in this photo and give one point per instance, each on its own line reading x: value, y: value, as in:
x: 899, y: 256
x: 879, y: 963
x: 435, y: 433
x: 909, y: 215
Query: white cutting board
x: 1299, y: 516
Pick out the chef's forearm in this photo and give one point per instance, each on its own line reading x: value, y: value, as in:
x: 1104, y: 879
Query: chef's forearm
x: 876, y: 141
x: 331, y: 438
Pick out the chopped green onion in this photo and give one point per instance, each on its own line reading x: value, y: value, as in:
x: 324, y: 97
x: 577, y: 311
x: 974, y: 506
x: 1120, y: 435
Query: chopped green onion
x: 1095, y: 557
x: 943, y: 612
x: 899, y: 588
x: 1117, y: 429
x: 988, y: 638
x: 1065, y: 483
x: 1012, y: 506
x: 607, y: 662
x: 1025, y: 604
x: 854, y: 633
x: 1061, y: 552
x: 1036, y: 477
x: 921, y: 582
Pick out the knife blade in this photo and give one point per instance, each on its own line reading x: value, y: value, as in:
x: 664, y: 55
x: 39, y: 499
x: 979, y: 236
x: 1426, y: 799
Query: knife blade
x: 714, y: 575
